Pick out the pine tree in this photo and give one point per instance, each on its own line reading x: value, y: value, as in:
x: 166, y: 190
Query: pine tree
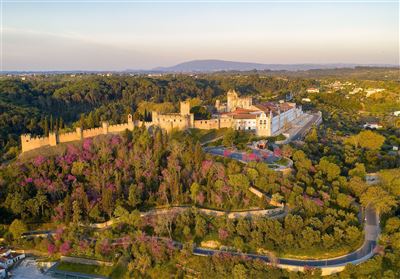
x: 46, y: 126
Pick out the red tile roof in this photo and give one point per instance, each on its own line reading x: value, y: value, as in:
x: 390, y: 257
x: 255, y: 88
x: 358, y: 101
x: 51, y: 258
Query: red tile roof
x: 245, y: 116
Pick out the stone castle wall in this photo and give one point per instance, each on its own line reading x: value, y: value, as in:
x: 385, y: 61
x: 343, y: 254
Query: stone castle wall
x: 168, y: 122
x: 215, y: 123
x: 72, y: 136
x: 29, y: 143
x: 92, y: 132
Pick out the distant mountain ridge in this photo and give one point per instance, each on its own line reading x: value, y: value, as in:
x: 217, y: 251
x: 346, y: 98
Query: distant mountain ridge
x: 213, y: 65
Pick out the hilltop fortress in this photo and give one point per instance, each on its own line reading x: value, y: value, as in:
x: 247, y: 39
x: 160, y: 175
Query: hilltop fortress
x: 264, y: 119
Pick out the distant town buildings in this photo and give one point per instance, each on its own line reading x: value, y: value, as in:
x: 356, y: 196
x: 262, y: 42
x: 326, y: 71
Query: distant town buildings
x: 337, y: 85
x: 356, y: 90
x: 312, y: 90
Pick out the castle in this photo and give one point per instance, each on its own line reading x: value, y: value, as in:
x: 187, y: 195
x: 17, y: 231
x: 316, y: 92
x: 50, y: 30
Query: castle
x: 265, y: 119
x: 167, y: 121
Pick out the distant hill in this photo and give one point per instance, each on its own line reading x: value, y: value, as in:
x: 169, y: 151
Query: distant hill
x: 222, y: 65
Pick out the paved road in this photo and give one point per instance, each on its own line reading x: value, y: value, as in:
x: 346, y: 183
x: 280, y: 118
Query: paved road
x: 371, y: 228
x: 303, y: 131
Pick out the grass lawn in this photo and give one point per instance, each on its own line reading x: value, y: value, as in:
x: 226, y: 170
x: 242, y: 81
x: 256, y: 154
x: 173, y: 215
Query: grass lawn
x: 206, y: 135
x: 282, y: 162
x: 87, y: 269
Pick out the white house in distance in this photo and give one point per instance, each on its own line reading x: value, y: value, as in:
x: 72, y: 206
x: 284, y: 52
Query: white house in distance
x: 9, y: 257
x: 312, y: 90
x: 396, y: 113
x: 356, y: 90
x: 372, y: 126
x: 372, y: 91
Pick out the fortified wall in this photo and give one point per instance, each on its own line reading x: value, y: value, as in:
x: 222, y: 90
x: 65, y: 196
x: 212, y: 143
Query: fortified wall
x: 28, y: 142
x: 181, y: 121
x: 215, y: 123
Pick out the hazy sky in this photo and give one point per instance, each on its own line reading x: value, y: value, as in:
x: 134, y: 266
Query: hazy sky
x: 112, y: 35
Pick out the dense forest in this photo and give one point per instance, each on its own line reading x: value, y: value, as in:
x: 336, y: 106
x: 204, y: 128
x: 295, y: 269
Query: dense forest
x: 121, y: 177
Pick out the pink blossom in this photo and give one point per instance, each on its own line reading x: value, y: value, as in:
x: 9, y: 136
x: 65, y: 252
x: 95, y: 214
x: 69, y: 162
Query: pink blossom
x: 201, y: 198
x: 29, y: 180
x: 70, y: 177
x: 39, y: 160
x: 87, y: 144
x: 65, y: 248
x: 205, y: 167
x: 142, y: 238
x: 226, y: 189
x: 115, y: 140
x: 111, y: 187
x: 59, y: 214
x: 223, y: 234
x: 318, y: 202
x: 218, y: 199
x: 51, y: 249
x: 155, y: 248
x: 105, y: 247
x: 119, y: 163
x: 83, y: 245
x: 59, y: 233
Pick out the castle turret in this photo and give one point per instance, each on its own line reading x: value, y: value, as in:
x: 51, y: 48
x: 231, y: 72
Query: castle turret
x: 25, y: 139
x: 131, y: 126
x: 232, y: 98
x: 105, y: 127
x: 185, y: 108
x: 53, y: 139
x: 79, y: 133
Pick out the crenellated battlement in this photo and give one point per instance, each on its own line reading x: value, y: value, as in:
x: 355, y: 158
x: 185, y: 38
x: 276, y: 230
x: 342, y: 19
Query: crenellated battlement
x: 29, y: 142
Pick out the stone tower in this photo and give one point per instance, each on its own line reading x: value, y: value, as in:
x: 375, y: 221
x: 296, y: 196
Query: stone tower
x: 232, y: 98
x: 263, y: 125
x: 185, y: 108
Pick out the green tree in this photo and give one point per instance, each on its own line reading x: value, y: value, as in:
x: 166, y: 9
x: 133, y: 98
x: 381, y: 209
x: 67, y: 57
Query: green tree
x: 200, y: 226
x: 239, y: 272
x: 358, y: 170
x: 229, y: 138
x: 76, y: 209
x: 17, y: 228
x: 194, y: 190
x: 379, y: 199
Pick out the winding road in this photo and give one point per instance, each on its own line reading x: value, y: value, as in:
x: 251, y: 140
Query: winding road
x: 366, y: 251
